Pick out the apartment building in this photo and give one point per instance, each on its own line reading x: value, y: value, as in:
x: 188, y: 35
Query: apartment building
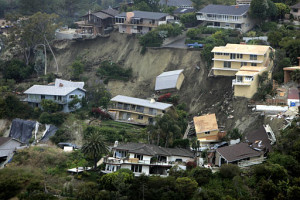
x: 140, y: 21
x: 245, y: 62
x: 146, y: 159
x: 227, y: 17
x: 136, y: 111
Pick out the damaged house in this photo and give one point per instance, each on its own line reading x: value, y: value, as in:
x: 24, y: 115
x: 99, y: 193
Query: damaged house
x: 169, y: 81
x: 146, y: 158
x: 62, y: 92
x: 8, y: 146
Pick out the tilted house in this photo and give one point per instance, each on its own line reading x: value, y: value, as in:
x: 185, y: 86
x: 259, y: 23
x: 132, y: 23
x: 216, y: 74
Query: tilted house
x: 146, y: 158
x: 207, y: 130
x: 245, y: 62
x: 140, y: 21
x: 227, y: 17
x: 62, y: 92
x: 7, y: 147
x: 171, y: 80
x: 136, y: 111
x: 96, y: 23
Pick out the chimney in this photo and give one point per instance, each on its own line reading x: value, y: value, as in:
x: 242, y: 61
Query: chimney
x: 61, y: 85
x: 237, y: 6
x: 152, y: 100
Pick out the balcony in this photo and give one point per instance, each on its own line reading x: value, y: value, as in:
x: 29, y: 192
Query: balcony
x: 129, y: 108
x: 238, y: 82
x: 220, y: 19
x: 35, y: 100
x: 117, y: 161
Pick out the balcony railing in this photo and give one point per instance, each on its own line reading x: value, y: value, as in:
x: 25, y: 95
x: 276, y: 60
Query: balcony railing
x: 238, y: 82
x: 33, y: 100
x: 132, y: 109
x: 219, y: 19
x: 145, y: 162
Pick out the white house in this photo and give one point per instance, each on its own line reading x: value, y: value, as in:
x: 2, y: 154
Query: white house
x: 171, y: 80
x: 227, y: 17
x: 62, y: 92
x: 146, y: 158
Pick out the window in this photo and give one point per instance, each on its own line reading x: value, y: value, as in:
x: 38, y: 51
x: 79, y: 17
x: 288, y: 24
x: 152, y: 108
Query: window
x: 227, y: 64
x: 140, y: 109
x: 59, y: 98
x: 253, y: 64
x: 235, y: 18
x: 140, y: 157
x: 152, y: 111
x: 72, y: 96
x: 226, y: 54
x: 243, y: 64
x: 232, y: 56
x: 219, y: 54
x: 248, y: 78
x: 207, y: 132
x: 217, y: 24
x: 253, y: 57
x: 141, y: 117
x: 42, y: 96
x: 136, y: 168
x: 240, y: 56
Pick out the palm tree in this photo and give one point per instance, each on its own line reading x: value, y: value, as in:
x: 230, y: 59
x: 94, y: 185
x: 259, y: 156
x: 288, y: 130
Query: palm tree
x: 95, y: 146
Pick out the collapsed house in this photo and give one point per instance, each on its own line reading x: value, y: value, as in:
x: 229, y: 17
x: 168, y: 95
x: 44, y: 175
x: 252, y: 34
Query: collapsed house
x: 169, y: 81
x: 8, y: 146
x: 146, y: 159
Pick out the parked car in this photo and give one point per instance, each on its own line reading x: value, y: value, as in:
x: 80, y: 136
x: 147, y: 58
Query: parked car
x: 65, y: 144
x: 195, y: 45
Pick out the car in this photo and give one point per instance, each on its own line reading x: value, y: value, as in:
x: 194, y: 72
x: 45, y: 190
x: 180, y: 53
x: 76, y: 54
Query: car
x: 66, y: 144
x: 195, y: 45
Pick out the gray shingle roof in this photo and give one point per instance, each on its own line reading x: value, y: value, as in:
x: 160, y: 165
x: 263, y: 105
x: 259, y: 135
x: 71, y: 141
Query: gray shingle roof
x: 176, y: 3
x: 260, y: 135
x: 226, y: 10
x: 50, y: 90
x: 167, y: 80
x: 141, y: 102
x: 237, y: 152
x: 110, y: 11
x: 152, y: 150
x: 145, y: 15
x: 101, y: 15
x: 3, y: 140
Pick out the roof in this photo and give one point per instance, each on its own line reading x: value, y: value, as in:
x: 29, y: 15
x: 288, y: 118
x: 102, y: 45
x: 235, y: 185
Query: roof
x: 242, y: 49
x: 205, y: 123
x: 225, y: 10
x: 167, y: 80
x: 65, y: 83
x: 176, y: 3
x: 110, y: 11
x: 260, y: 135
x: 151, y: 150
x: 237, y: 152
x: 3, y: 140
x: 293, y: 93
x: 145, y: 15
x: 141, y: 102
x: 291, y: 68
x: 50, y: 90
x: 183, y: 10
x: 102, y: 15
x: 296, y: 5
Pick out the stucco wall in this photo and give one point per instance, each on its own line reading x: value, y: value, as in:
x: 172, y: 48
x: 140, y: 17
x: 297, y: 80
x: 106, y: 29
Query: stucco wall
x: 179, y: 81
x: 203, y: 135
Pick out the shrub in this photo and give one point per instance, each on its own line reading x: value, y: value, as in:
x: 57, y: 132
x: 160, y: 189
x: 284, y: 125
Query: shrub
x: 99, y: 113
x: 181, y: 143
x: 55, y: 118
x: 229, y: 171
x: 188, y: 19
x: 61, y: 136
x: 111, y: 70
x: 190, y: 165
x: 11, y: 107
x: 201, y: 175
x: 77, y: 69
x: 50, y: 106
x: 164, y: 97
x: 17, y: 70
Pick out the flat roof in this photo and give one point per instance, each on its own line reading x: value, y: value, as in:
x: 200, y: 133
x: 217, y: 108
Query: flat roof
x: 242, y: 49
x: 141, y: 102
x: 167, y: 80
x: 205, y: 123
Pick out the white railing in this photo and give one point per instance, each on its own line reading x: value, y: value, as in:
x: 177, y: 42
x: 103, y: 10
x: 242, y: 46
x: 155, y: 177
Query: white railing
x: 236, y: 82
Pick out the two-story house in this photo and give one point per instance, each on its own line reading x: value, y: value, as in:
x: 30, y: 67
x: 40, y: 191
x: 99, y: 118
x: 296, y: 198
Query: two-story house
x: 207, y: 130
x: 246, y: 62
x: 146, y: 159
x: 96, y: 23
x: 136, y: 111
x: 140, y: 21
x: 295, y: 11
x: 227, y: 17
x: 62, y: 92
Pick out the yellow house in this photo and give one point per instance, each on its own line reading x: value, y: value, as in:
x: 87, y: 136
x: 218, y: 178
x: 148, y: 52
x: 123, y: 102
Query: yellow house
x: 136, y: 111
x: 230, y: 58
x: 207, y: 130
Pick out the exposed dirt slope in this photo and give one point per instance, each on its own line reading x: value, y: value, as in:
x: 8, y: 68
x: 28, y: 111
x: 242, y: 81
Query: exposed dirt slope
x: 200, y: 93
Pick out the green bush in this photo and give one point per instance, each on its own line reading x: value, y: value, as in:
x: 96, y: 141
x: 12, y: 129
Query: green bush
x: 50, y: 106
x: 112, y: 70
x: 189, y: 19
x: 229, y: 171
x: 17, y: 70
x: 54, y: 118
x: 201, y: 175
x: 269, y: 26
x: 77, y: 69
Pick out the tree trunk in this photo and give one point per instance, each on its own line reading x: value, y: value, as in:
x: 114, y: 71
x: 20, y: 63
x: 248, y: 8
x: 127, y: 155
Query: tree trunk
x: 52, y: 54
x: 45, y: 50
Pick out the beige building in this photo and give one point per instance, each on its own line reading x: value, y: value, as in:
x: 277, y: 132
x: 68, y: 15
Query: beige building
x: 207, y: 129
x: 227, y: 17
x: 295, y: 11
x: 136, y: 111
x: 245, y: 62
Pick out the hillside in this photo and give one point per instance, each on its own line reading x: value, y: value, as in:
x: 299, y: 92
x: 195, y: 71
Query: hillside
x: 201, y: 93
